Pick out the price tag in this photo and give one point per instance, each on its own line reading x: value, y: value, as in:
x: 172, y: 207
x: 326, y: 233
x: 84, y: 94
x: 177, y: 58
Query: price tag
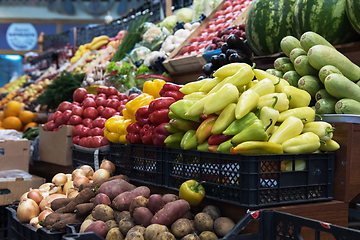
x: 96, y: 159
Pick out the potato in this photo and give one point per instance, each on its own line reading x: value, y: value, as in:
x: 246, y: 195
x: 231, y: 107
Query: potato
x: 223, y: 225
x: 120, y: 215
x: 85, y: 224
x: 142, y: 216
x: 155, y: 203
x: 115, y: 187
x: 171, y: 212
x: 207, y: 235
x: 138, y: 228
x: 170, y: 198
x: 164, y: 236
x: 98, y: 227
x: 126, y: 224
x: 111, y: 224
x: 192, y: 236
x: 182, y: 227
x: 101, y: 198
x: 122, y: 201
x: 213, y: 211
x: 203, y: 222
x: 189, y: 215
x: 134, y: 235
x: 114, y: 234
x: 103, y: 212
x: 139, y: 201
x: 152, y: 230
x: 90, y: 217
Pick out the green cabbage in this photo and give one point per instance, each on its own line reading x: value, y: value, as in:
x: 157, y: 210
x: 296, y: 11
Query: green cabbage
x: 184, y: 15
x: 169, y: 22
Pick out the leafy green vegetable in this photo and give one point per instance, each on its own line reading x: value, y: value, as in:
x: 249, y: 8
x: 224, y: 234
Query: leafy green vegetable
x: 122, y: 77
x: 143, y: 69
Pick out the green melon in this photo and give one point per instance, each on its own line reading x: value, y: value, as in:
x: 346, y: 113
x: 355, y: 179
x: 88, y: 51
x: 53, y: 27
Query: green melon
x: 325, y: 17
x: 267, y: 23
x: 353, y: 13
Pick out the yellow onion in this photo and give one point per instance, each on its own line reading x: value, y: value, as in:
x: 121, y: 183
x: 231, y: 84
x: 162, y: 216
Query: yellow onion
x: 35, y: 195
x: 101, y: 174
x: 72, y: 192
x: 43, y: 214
x: 27, y: 210
x: 89, y: 171
x: 46, y: 202
x: 107, y: 165
x: 23, y: 196
x: 46, y: 187
x: 78, y: 172
x: 80, y: 180
x: 59, y: 179
x: 68, y: 185
x: 69, y: 177
x: 35, y: 222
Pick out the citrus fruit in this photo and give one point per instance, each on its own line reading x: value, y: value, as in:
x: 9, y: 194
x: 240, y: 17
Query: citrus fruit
x: 26, y: 117
x: 12, y: 123
x: 30, y: 124
x: 13, y: 108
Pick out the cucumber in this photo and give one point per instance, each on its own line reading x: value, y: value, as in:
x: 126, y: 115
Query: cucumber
x: 320, y: 56
x: 292, y: 77
x: 295, y: 53
x: 339, y: 87
x: 311, y: 84
x: 322, y: 93
x: 288, y: 43
x: 325, y: 105
x: 310, y: 39
x: 287, y: 67
x: 275, y: 72
x: 303, y: 67
x: 326, y: 71
x: 280, y: 61
x: 347, y: 106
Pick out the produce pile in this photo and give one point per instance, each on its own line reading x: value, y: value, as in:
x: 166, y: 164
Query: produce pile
x: 113, y: 208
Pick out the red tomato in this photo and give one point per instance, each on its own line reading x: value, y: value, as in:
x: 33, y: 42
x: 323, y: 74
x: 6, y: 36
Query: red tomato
x: 228, y: 10
x: 193, y: 48
x: 227, y: 4
x: 88, y: 102
x: 203, y: 45
x: 75, y: 111
x: 220, y: 20
x: 100, y: 101
x: 237, y: 8
x: 76, y: 140
x: 202, y: 38
x: 79, y: 94
x: 185, y: 50
x: 96, y: 141
x: 91, y: 113
x: 195, y: 39
x: 112, y: 103
x: 49, y: 126
x: 99, y: 122
x: 229, y: 17
x: 111, y: 91
x: 209, y: 37
x: 64, y: 106
x: 76, y: 130
x: 204, y: 31
x: 226, y: 25
x: 65, y: 116
x: 101, y: 89
x: 75, y: 120
x: 211, y: 23
x: 219, y: 14
x: 108, y: 112
x: 212, y: 29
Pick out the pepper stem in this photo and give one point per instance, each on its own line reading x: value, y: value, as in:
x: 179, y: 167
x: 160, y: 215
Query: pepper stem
x: 195, y: 187
x: 317, y: 115
x: 289, y: 98
x: 303, y: 119
x: 258, y: 111
x: 322, y: 141
x: 271, y: 121
x: 253, y: 66
x: 277, y: 82
x: 276, y: 100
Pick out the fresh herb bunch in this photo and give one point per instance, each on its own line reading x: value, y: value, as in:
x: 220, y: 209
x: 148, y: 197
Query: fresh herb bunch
x: 61, y: 89
x: 143, y: 69
x: 122, y: 77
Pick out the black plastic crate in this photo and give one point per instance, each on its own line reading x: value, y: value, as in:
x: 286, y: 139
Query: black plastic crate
x: 20, y: 231
x: 117, y: 155
x: 3, y: 222
x: 283, y: 226
x: 82, y: 157
x: 252, y: 181
x: 72, y: 234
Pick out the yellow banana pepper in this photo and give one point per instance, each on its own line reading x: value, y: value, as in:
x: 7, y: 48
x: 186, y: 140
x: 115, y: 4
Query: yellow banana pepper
x: 297, y: 97
x: 291, y: 127
x: 257, y: 147
x: 263, y: 87
x: 329, y: 146
x: 132, y: 106
x: 305, y: 143
x: 306, y: 114
x: 247, y: 102
x: 282, y: 103
x: 153, y: 87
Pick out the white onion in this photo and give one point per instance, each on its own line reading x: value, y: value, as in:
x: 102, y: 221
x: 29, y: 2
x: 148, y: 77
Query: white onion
x: 80, y: 180
x: 107, y: 165
x: 101, y: 174
x: 68, y: 185
x: 89, y: 171
x: 78, y: 172
x: 27, y: 210
x: 59, y: 179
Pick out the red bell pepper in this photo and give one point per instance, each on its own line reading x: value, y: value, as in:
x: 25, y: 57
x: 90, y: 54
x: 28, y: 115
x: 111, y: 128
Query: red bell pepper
x: 218, y: 139
x: 142, y: 115
x: 177, y: 95
x: 160, y: 116
x: 133, y: 135
x: 169, y: 87
x: 146, y: 134
x: 160, y: 134
x: 159, y: 110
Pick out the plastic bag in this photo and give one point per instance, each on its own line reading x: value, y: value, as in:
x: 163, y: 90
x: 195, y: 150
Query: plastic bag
x: 10, y: 134
x: 13, y: 174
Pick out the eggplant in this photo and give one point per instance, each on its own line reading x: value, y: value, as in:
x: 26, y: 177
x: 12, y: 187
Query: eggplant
x: 208, y: 69
x: 215, y: 62
x: 235, y: 42
x: 239, y: 57
x: 232, y: 50
x: 201, y: 78
x: 224, y: 47
x: 222, y: 59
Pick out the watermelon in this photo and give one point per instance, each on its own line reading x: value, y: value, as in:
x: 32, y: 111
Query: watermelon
x: 267, y: 23
x: 325, y: 17
x: 353, y: 13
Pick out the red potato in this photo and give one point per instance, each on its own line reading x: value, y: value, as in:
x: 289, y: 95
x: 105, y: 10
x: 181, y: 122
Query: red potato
x: 98, y: 227
x: 155, y: 203
x: 139, y: 201
x: 115, y: 187
x: 142, y: 216
x: 170, y: 198
x: 171, y: 212
x: 101, y: 198
x: 122, y: 201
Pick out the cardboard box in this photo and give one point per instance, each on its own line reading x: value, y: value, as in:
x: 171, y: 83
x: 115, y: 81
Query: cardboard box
x: 17, y: 188
x: 55, y: 147
x: 14, y: 154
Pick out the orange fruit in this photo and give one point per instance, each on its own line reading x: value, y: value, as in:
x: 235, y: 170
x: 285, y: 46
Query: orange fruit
x: 30, y: 124
x: 13, y: 108
x: 1, y: 128
x: 2, y: 115
x: 12, y: 123
x: 26, y: 117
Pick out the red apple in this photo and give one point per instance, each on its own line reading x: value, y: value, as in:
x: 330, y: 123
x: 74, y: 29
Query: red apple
x: 64, y: 106
x: 101, y: 89
x: 90, y: 95
x: 49, y: 126
x: 76, y: 130
x: 90, y: 112
x: 75, y: 120
x: 122, y: 96
x: 82, y: 141
x: 108, y: 112
x: 96, y: 141
x: 104, y: 141
x: 100, y: 109
x: 99, y: 122
x: 79, y: 94
x: 132, y: 96
x: 111, y: 91
x: 88, y: 102
x: 112, y: 103
x: 84, y: 132
x: 87, y: 122
x: 96, y: 131
x: 76, y: 140
x: 100, y: 101
x: 78, y: 111
x: 65, y: 116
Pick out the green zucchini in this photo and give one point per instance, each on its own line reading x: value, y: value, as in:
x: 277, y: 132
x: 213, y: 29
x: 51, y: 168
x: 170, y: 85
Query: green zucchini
x: 292, y: 77
x: 288, y: 43
x: 320, y: 56
x: 347, y: 106
x: 310, y: 39
x: 280, y: 61
x: 326, y: 71
x: 311, y: 84
x: 322, y: 93
x: 340, y: 86
x: 287, y: 67
x: 275, y: 72
x: 325, y: 106
x: 303, y: 67
x: 295, y: 53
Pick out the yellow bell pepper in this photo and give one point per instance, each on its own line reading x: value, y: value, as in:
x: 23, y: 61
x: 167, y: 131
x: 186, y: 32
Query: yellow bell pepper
x: 132, y: 106
x: 112, y: 123
x: 115, y: 129
x: 153, y: 87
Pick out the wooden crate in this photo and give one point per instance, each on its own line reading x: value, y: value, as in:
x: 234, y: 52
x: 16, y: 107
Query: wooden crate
x: 194, y: 62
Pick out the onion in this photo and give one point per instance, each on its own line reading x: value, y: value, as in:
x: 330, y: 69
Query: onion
x: 78, y: 172
x: 56, y: 189
x: 89, y: 171
x: 35, y: 222
x: 46, y: 202
x: 44, y: 213
x: 23, y: 196
x: 35, y: 195
x: 59, y: 179
x: 72, y: 192
x: 27, y: 210
x: 68, y: 185
x: 101, y: 174
x: 69, y: 177
x: 80, y: 180
x: 107, y: 165
x: 46, y: 187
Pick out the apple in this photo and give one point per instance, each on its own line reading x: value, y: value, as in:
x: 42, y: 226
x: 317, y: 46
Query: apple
x: 96, y: 131
x: 111, y: 91
x: 114, y: 97
x: 77, y: 111
x: 49, y: 126
x: 100, y: 101
x: 101, y: 89
x: 64, y: 106
x: 122, y: 96
x: 104, y: 141
x: 112, y: 103
x: 82, y: 141
x: 84, y: 132
x: 76, y: 140
x: 88, y: 102
x: 87, y: 122
x: 132, y: 96
x: 90, y: 95
x: 120, y: 108
x: 75, y: 120
x: 108, y: 112
x: 65, y: 116
x: 91, y: 112
x: 76, y: 130
x: 51, y: 117
x: 79, y: 94
x: 96, y: 141
x: 99, y: 122
x: 103, y: 95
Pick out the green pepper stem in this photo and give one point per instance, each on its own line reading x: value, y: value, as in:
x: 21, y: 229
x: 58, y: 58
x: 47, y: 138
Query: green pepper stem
x: 276, y: 100
x: 195, y: 187
x: 271, y: 121
x: 317, y: 115
x: 289, y: 98
x: 329, y: 130
x: 303, y: 119
x: 258, y: 111
x: 277, y: 82
x: 322, y: 141
x: 253, y: 65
